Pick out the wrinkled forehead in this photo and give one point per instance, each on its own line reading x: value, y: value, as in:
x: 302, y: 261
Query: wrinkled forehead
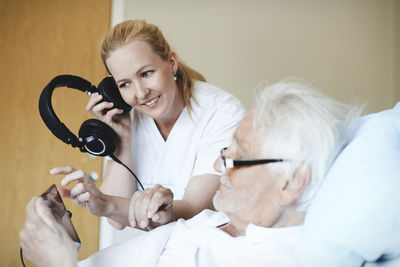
x: 246, y: 138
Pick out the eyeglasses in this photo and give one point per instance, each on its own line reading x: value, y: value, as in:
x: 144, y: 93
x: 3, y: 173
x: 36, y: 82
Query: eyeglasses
x: 232, y: 163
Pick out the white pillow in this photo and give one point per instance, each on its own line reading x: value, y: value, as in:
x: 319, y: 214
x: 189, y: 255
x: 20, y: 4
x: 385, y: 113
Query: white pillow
x: 355, y: 217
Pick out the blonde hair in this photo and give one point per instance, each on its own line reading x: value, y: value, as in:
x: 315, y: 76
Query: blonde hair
x: 140, y: 30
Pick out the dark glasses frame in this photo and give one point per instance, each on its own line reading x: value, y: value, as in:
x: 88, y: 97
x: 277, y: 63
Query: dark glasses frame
x: 229, y: 163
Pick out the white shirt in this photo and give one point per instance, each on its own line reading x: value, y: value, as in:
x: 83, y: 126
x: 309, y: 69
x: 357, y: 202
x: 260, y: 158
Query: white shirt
x: 198, y: 242
x: 193, y: 143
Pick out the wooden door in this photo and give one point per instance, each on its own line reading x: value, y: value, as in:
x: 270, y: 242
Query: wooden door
x: 40, y: 39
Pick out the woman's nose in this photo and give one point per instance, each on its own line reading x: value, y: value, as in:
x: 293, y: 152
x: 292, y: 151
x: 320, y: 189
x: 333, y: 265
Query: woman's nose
x: 141, y: 91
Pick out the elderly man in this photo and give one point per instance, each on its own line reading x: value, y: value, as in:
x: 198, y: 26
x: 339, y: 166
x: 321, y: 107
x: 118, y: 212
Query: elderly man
x: 279, y: 155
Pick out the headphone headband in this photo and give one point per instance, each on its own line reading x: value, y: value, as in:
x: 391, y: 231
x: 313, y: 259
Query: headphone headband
x: 47, y: 112
x: 95, y: 136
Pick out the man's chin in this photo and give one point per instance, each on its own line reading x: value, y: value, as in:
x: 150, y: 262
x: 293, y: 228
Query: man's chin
x: 215, y: 200
x: 220, y: 201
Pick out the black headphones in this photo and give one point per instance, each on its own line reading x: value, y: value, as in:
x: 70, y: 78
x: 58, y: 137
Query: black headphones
x: 95, y: 137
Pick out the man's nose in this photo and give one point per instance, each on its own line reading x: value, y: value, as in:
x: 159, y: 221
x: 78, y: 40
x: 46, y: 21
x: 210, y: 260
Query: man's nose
x: 218, y: 165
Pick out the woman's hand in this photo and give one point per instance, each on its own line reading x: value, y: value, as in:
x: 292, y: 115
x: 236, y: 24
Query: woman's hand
x: 43, y: 240
x: 113, y: 117
x: 84, y: 193
x: 151, y: 208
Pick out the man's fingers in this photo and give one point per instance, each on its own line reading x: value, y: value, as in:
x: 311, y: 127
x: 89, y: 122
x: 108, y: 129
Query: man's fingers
x: 44, y: 212
x: 30, y: 205
x: 162, y: 217
x: 32, y: 217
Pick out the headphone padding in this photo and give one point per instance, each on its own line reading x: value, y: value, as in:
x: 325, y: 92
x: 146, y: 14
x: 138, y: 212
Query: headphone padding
x: 98, y: 130
x: 110, y: 92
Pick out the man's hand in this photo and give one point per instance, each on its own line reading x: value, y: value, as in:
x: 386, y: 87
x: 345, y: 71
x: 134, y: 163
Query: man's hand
x: 151, y: 208
x: 43, y: 240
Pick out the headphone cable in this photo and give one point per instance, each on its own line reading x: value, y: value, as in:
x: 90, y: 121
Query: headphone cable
x: 22, y: 257
x: 120, y: 162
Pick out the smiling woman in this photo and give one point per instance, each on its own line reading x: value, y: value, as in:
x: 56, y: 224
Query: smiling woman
x: 181, y: 123
x: 146, y: 82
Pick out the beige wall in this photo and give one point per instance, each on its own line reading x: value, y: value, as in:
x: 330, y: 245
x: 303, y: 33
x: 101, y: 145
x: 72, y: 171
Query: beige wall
x: 344, y: 47
x: 396, y: 71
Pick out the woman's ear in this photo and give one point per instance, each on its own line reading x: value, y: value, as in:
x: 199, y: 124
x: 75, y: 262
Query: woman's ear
x: 173, y: 60
x: 295, y: 185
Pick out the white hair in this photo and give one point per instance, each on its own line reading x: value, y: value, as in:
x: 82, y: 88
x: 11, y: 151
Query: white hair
x: 301, y: 124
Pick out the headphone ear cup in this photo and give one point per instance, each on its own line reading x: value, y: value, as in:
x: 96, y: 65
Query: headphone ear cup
x: 110, y: 92
x: 99, y: 139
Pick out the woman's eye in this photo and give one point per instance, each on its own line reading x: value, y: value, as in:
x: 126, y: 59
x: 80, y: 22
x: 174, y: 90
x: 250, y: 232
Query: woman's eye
x: 122, y: 85
x: 147, y: 74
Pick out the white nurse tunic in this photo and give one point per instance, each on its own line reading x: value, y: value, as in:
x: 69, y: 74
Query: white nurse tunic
x: 191, y: 148
x: 193, y: 143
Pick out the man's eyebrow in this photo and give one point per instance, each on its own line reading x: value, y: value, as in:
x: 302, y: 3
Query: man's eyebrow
x: 241, y: 145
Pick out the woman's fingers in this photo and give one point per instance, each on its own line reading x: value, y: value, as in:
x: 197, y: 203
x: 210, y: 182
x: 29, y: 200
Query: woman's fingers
x: 141, y: 207
x: 137, y: 209
x: 109, y: 117
x: 78, y: 190
x: 86, y: 194
x: 71, y: 174
x: 83, y: 198
x: 77, y: 176
x: 99, y: 108
x: 64, y: 192
x: 94, y: 99
x: 151, y: 205
x: 77, y: 193
x: 107, y: 113
x: 131, y: 213
x: 62, y: 170
x: 161, y: 198
x: 81, y: 194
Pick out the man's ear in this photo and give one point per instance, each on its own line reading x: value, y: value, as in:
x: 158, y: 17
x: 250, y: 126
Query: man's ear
x: 293, y: 187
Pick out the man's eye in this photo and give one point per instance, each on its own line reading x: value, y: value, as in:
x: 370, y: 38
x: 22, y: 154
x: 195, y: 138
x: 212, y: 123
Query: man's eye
x: 147, y: 74
x: 122, y: 85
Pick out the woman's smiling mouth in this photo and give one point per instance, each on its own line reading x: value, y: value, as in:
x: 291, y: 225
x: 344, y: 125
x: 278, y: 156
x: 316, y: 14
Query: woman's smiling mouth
x: 152, y: 101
